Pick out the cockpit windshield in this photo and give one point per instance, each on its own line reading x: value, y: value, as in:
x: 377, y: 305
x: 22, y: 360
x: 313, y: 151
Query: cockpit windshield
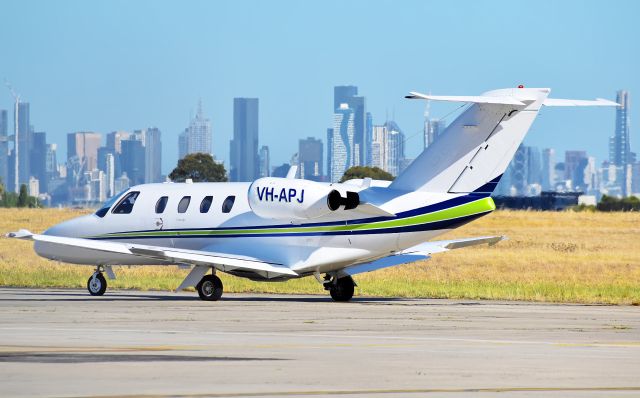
x: 107, y: 205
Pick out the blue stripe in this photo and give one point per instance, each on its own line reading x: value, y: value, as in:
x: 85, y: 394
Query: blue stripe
x: 432, y: 226
x: 409, y: 213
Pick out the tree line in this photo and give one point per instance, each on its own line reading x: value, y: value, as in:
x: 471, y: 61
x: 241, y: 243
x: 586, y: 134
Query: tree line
x: 22, y: 199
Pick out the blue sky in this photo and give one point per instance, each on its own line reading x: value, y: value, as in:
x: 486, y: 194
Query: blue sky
x: 124, y: 65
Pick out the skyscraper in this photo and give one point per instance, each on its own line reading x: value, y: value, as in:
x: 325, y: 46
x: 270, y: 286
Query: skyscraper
x: 38, y: 158
x: 310, y: 159
x: 342, y: 151
x: 244, y: 145
x: 434, y: 129
x: 24, y: 143
x: 197, y: 137
x: 368, y: 138
x: 574, y: 165
x: 329, y: 152
x: 349, y: 95
x: 84, y: 146
x: 395, y: 153
x: 379, y: 147
x: 620, y: 153
x: 619, y: 145
x: 153, y: 155
x: 4, y: 148
x: 265, y: 162
x: 548, y: 169
x: 132, y: 160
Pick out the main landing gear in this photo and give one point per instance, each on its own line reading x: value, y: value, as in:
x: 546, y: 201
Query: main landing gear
x: 97, y: 284
x: 341, y: 289
x: 210, y: 288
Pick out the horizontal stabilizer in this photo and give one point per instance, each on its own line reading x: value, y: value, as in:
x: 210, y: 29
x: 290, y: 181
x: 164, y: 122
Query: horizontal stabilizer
x: 446, y: 245
x: 571, y: 102
x: 476, y: 99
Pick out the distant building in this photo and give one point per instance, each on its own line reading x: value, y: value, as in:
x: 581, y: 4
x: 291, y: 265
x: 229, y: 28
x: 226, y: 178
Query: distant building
x: 84, y: 146
x: 329, y: 152
x: 197, y: 138
x: 434, y: 128
x: 110, y: 173
x: 620, y: 154
x: 132, y: 159
x: 121, y: 183
x: 310, y: 159
x: 342, y: 150
x: 114, y: 140
x: 574, y: 165
x: 379, y: 147
x: 244, y: 145
x: 548, y: 169
x: 38, y: 158
x: 24, y: 144
x: 349, y: 95
x: 395, y: 142
x: 265, y: 162
x: 153, y: 155
x: 33, y: 187
x: 4, y: 148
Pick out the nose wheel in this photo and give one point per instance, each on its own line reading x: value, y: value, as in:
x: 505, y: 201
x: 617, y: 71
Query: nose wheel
x: 97, y: 284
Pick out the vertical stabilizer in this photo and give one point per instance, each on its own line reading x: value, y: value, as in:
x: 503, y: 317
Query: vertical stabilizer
x: 476, y: 147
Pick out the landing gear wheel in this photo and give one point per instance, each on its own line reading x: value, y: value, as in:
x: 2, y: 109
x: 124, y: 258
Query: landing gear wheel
x: 342, y: 290
x: 210, y: 288
x: 97, y: 285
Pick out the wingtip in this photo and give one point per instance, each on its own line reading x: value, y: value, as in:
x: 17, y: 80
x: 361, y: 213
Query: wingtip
x: 21, y: 234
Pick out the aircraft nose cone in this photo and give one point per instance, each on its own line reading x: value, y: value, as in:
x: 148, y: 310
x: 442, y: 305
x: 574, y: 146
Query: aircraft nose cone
x: 74, y: 228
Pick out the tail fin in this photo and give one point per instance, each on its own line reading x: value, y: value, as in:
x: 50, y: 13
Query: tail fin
x: 476, y: 149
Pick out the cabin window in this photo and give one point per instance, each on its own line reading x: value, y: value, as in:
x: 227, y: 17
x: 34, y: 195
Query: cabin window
x: 161, y: 204
x: 227, y: 205
x: 125, y: 206
x: 184, y: 204
x: 205, y: 205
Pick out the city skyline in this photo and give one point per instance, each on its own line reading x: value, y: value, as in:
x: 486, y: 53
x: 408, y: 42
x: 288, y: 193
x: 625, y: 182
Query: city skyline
x: 138, y: 76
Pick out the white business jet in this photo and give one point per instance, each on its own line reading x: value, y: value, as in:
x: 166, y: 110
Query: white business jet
x: 274, y: 229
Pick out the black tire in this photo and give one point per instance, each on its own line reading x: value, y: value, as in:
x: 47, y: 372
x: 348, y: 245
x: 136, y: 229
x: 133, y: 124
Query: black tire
x: 99, y: 287
x: 343, y: 289
x: 210, y: 288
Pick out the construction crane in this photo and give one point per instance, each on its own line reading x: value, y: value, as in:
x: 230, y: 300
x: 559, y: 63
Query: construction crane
x: 16, y: 162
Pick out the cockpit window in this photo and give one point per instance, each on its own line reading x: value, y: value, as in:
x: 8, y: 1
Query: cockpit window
x: 161, y: 204
x: 206, y: 204
x: 228, y: 204
x: 107, y: 205
x: 184, y: 204
x: 125, y: 206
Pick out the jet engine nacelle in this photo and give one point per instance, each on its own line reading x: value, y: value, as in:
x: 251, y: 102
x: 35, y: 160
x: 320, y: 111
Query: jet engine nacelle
x: 286, y: 198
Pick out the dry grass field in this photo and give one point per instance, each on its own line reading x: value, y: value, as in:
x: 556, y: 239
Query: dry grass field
x: 561, y: 257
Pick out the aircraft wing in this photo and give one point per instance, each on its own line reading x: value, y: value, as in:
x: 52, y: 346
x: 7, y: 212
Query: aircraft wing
x: 419, y: 252
x: 202, y: 259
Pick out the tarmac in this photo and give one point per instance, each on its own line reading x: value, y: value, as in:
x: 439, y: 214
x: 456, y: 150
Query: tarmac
x: 65, y: 343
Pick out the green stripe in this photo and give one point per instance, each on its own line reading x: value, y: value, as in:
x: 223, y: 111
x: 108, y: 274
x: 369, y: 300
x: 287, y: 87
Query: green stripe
x: 476, y: 207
